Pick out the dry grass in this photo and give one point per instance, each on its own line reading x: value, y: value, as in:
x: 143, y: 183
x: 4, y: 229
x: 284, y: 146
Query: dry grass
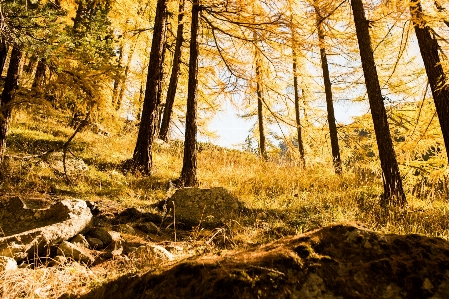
x: 285, y: 198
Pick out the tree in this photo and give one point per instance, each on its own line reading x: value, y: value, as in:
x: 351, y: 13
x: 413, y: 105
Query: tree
x: 439, y: 84
x: 176, y: 66
x: 260, y: 102
x: 143, y: 157
x: 11, y: 84
x: 188, y: 174
x: 328, y: 90
x: 393, y: 191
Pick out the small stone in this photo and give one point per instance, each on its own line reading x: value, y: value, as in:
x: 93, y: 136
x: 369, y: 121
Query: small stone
x: 149, y: 228
x: 152, y: 252
x: 80, y: 240
x: 427, y: 285
x: 95, y: 243
x: 60, y: 260
x: 125, y: 229
x: 7, y: 264
x: 77, y: 253
x: 367, y: 245
x: 102, y: 234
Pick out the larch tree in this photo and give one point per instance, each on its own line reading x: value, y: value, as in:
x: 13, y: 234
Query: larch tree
x: 328, y: 90
x: 143, y: 157
x: 176, y: 68
x: 189, y: 168
x: 392, y: 181
x: 438, y: 81
x: 260, y: 101
x: 11, y: 84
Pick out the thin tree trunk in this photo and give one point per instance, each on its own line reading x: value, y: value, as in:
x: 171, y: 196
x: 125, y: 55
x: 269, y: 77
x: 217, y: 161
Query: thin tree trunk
x: 188, y: 174
x: 297, y: 111
x: 171, y: 93
x: 40, y: 77
x: 159, y: 97
x: 437, y: 78
x: 393, y: 191
x: 142, y: 157
x: 117, y: 85
x: 329, y: 102
x: 11, y: 83
x: 262, y: 145
x: 122, y: 81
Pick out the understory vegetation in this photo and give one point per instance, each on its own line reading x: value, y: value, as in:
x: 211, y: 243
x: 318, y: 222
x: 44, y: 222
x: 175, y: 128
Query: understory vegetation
x: 285, y: 198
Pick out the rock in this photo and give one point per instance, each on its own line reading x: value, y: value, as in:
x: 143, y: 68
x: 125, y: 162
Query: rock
x: 59, y: 260
x: 80, y: 240
x: 117, y: 241
x: 95, y: 243
x: 77, y: 253
x: 7, y: 264
x: 101, y: 234
x: 152, y: 254
x: 30, y: 231
x: 124, y: 228
x: 149, y: 228
x: 209, y: 207
x: 73, y: 165
x: 330, y: 263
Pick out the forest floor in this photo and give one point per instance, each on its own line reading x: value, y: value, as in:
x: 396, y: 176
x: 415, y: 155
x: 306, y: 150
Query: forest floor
x: 304, y: 199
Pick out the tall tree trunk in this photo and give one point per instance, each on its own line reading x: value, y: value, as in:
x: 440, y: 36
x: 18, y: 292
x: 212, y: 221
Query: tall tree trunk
x: 159, y: 97
x: 122, y: 81
x: 3, y: 54
x: 188, y: 174
x: 171, y: 93
x: 393, y: 192
x: 143, y: 158
x: 437, y: 78
x: 40, y: 77
x: 262, y: 145
x: 11, y: 83
x: 297, y: 111
x: 329, y: 102
x: 117, y: 81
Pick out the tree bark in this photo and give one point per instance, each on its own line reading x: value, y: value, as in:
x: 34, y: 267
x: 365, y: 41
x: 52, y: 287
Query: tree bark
x: 118, y: 81
x: 393, y: 191
x: 11, y: 83
x: 3, y: 54
x: 40, y: 78
x: 329, y: 102
x: 435, y: 73
x: 188, y: 174
x: 262, y: 145
x: 298, y: 112
x: 121, y: 82
x: 142, y: 158
x: 171, y: 93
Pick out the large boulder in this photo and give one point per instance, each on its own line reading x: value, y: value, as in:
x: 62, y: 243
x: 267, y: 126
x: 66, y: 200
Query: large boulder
x: 339, y: 261
x: 27, y: 232
x: 208, y: 207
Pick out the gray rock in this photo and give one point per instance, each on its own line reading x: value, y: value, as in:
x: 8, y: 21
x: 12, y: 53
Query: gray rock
x: 29, y: 231
x: 101, y: 234
x: 152, y: 254
x: 77, y: 253
x: 80, y: 240
x: 95, y: 243
x: 59, y: 260
x: 7, y: 264
x: 209, y: 207
x: 149, y: 228
x: 125, y: 229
